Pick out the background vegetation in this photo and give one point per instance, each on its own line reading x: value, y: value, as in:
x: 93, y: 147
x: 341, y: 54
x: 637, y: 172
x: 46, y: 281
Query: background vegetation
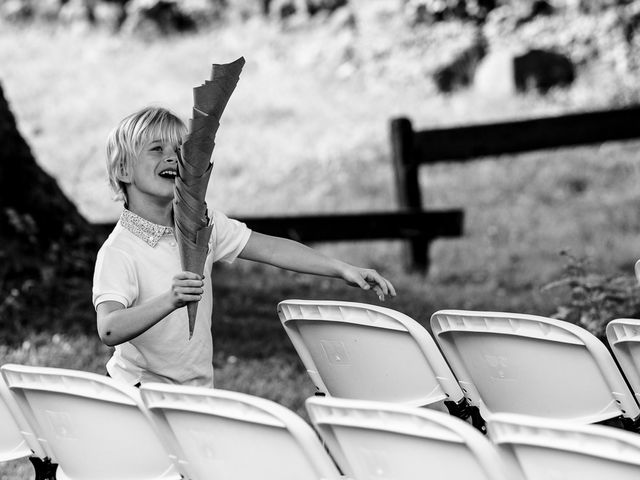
x: 306, y: 131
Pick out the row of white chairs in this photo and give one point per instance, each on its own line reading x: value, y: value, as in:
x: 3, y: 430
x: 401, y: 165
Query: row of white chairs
x: 537, y: 381
x: 97, y: 428
x: 494, y: 362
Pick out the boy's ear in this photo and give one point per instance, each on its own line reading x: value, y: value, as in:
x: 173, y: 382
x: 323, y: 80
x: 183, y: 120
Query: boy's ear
x: 124, y: 173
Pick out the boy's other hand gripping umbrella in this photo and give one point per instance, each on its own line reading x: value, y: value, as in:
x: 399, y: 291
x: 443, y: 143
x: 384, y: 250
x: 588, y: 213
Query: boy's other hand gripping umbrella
x: 193, y: 225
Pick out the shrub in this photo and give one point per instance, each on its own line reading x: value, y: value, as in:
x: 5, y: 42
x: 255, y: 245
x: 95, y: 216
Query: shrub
x: 591, y: 299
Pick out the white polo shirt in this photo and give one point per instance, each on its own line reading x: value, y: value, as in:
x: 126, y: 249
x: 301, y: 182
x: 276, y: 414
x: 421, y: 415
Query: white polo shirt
x: 137, y: 263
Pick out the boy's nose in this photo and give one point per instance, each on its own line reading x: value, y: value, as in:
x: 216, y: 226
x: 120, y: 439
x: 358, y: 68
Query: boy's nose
x: 172, y: 156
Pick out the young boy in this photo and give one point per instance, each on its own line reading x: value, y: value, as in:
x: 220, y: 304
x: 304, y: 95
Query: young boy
x: 138, y: 287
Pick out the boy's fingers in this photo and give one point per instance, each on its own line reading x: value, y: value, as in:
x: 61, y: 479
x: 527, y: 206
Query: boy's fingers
x: 392, y: 290
x: 379, y: 292
x: 188, y: 276
x: 190, y: 290
x: 384, y: 286
x: 362, y: 283
x: 387, y: 286
x: 378, y: 280
x: 190, y: 283
x: 369, y: 279
x: 190, y: 296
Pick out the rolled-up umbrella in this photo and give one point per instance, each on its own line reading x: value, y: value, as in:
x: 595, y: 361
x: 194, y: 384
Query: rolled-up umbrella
x: 193, y: 225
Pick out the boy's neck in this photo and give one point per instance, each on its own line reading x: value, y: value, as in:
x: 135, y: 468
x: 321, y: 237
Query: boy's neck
x: 161, y: 214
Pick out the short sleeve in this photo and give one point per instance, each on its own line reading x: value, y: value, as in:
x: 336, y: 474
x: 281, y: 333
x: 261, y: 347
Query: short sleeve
x: 229, y: 237
x: 114, y: 278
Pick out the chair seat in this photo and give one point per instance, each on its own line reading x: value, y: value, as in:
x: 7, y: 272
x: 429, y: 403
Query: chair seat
x: 532, y: 365
x: 93, y: 426
x: 231, y: 435
x: 360, y: 351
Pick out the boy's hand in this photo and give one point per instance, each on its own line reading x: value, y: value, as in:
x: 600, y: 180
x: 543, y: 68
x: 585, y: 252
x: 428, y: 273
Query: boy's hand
x: 367, y: 278
x: 186, y: 287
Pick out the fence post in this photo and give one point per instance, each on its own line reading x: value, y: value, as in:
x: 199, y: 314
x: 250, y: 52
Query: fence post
x: 407, y: 186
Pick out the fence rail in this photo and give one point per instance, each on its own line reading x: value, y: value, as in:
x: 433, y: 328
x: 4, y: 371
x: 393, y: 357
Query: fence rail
x: 356, y: 226
x: 473, y: 141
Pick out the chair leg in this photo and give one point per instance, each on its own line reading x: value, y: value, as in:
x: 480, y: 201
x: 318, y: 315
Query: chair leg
x: 45, y: 469
x: 465, y: 411
x: 625, y: 423
x: 631, y: 424
x: 477, y: 420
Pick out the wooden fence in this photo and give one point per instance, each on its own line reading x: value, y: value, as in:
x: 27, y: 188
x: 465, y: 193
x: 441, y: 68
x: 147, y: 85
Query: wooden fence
x: 412, y: 149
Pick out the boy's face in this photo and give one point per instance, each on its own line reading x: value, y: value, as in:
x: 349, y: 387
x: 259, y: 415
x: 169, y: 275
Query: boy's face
x: 154, y: 171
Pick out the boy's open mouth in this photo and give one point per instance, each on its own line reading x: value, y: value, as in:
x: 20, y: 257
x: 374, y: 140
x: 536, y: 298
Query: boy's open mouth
x: 171, y: 174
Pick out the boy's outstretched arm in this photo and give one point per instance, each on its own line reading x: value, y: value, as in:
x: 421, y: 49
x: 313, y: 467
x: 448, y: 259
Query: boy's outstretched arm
x: 291, y: 255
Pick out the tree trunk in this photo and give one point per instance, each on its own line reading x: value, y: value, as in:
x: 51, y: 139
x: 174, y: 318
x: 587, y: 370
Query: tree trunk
x: 47, y: 249
x: 29, y: 192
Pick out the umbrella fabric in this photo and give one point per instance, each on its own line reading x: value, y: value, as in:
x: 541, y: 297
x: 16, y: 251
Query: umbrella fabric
x: 193, y: 226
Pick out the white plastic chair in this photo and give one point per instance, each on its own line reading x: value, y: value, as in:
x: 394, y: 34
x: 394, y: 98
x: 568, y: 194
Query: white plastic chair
x: 17, y: 439
x: 623, y: 335
x: 13, y: 444
x: 531, y: 365
x: 227, y: 435
x: 94, y: 426
x: 360, y: 351
x: 553, y: 449
x: 376, y: 440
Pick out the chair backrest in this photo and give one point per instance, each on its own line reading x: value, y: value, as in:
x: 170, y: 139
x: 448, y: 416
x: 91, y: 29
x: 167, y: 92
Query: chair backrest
x: 623, y: 335
x: 555, y: 449
x: 531, y: 365
x: 95, y: 427
x: 227, y: 435
x: 374, y: 440
x: 360, y: 351
x: 17, y: 439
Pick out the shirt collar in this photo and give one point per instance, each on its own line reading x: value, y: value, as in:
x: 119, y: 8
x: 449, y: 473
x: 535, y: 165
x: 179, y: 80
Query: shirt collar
x: 145, y: 230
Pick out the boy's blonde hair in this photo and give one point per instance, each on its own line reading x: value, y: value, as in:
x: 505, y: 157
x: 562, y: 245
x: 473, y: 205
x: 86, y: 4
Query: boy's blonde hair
x: 125, y: 141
